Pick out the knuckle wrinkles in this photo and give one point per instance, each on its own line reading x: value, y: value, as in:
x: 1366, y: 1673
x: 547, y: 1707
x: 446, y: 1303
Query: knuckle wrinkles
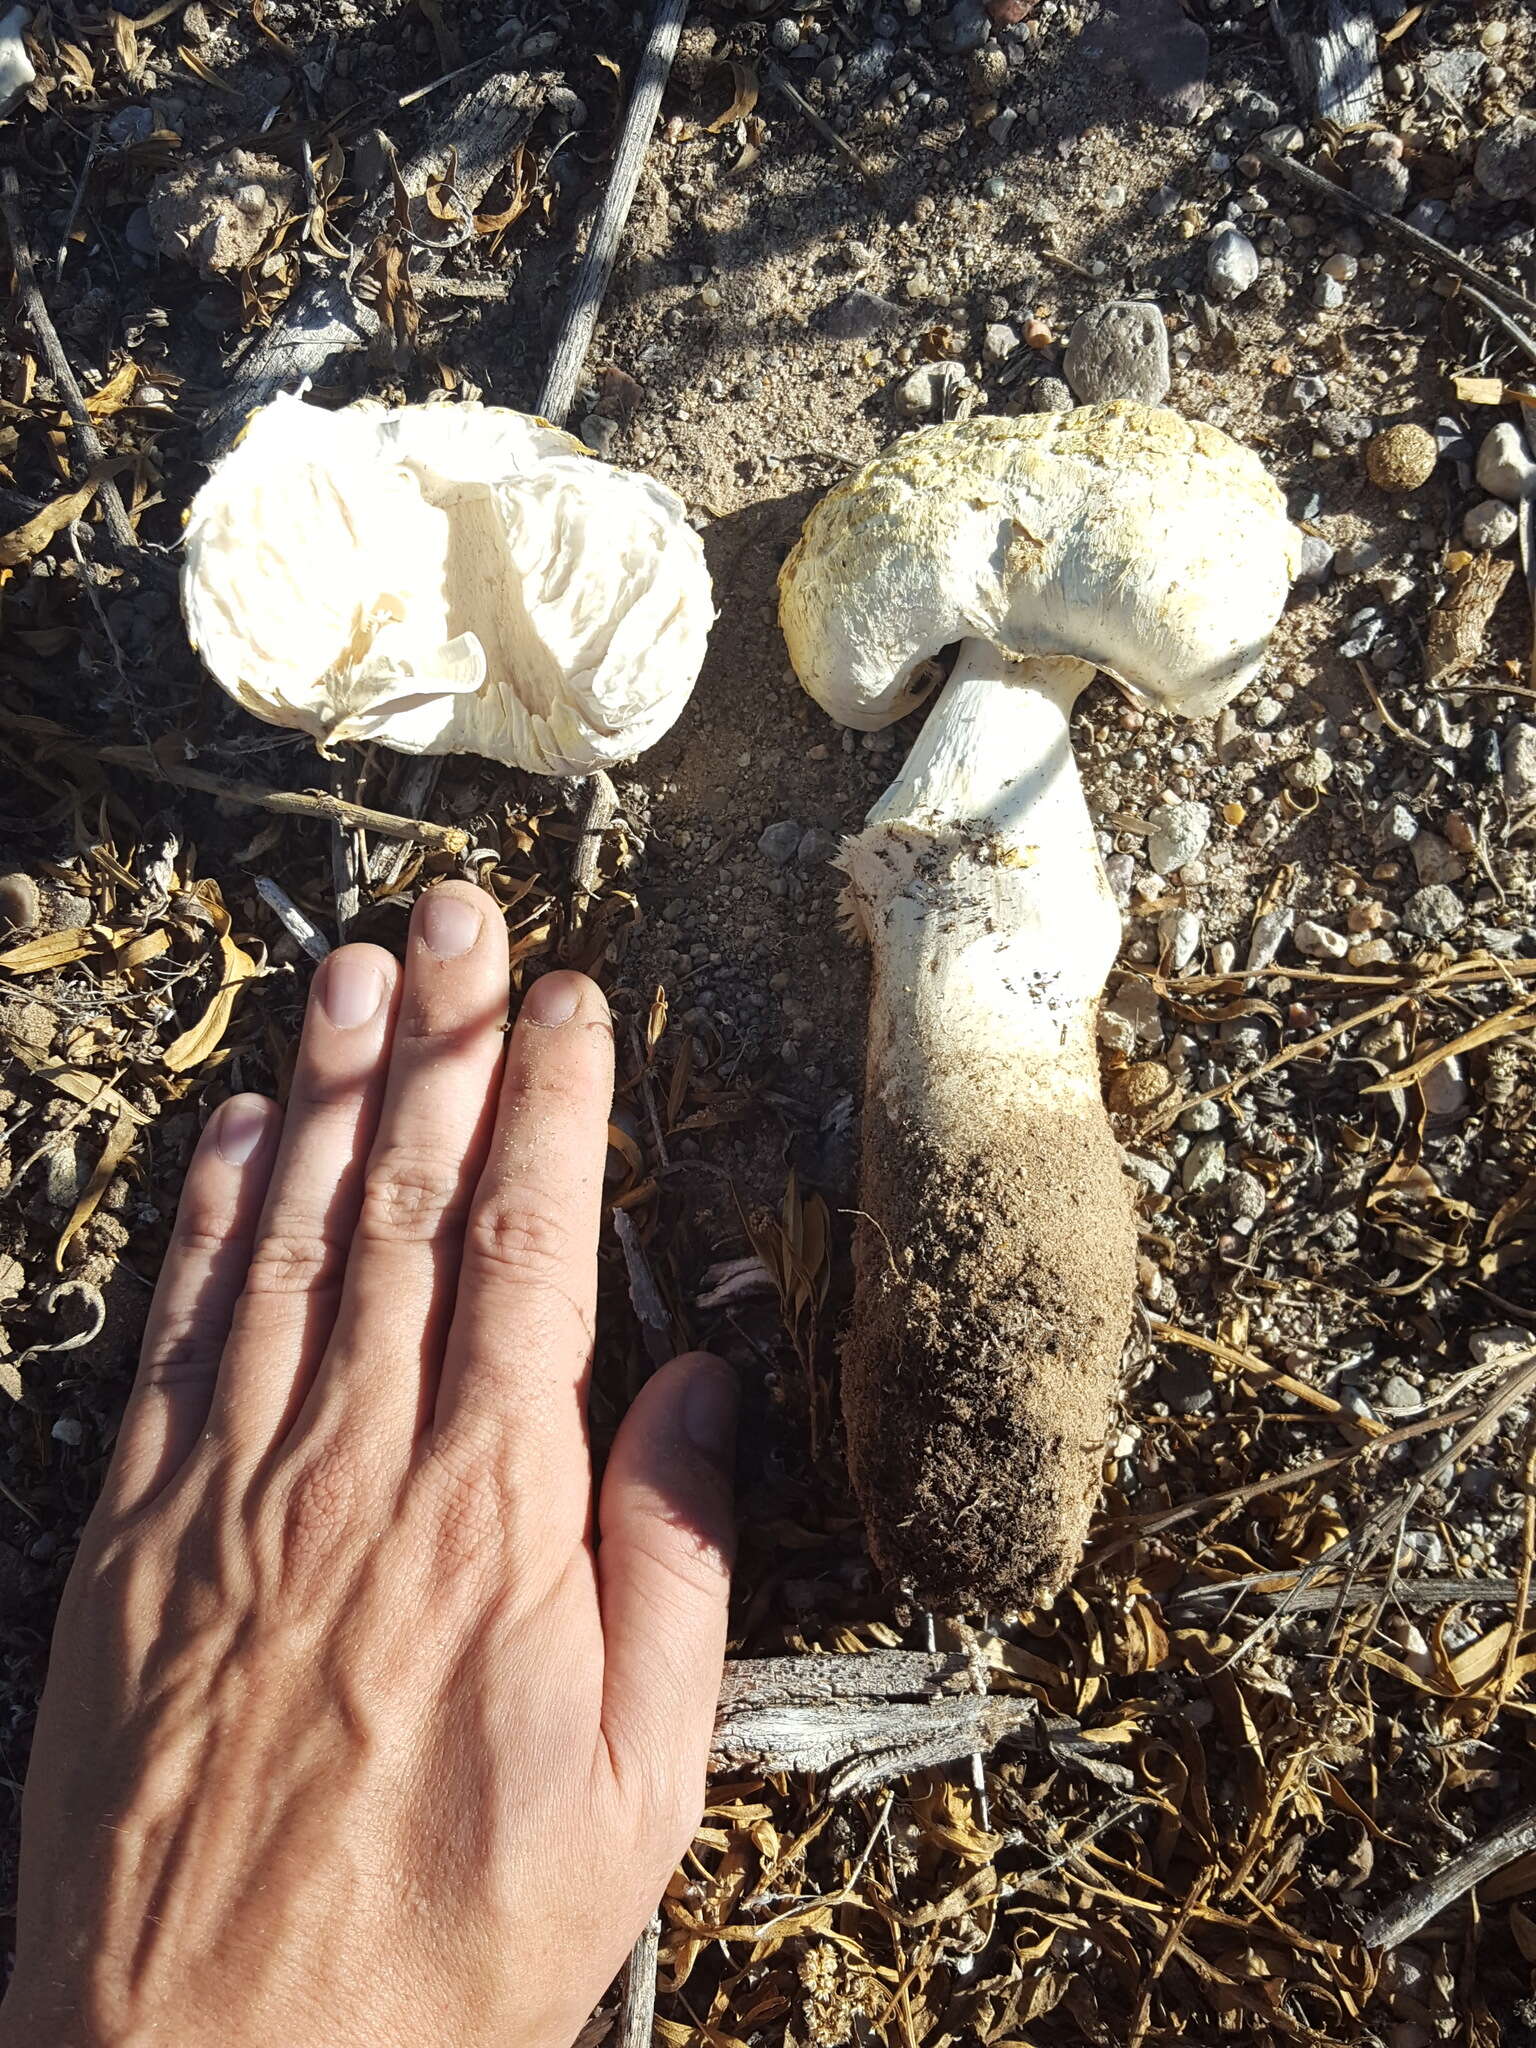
x: 412, y: 1198
x: 297, y: 1263
x: 521, y: 1232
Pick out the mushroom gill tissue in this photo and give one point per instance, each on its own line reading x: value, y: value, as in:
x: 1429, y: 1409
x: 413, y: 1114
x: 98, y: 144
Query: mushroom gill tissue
x: 445, y: 579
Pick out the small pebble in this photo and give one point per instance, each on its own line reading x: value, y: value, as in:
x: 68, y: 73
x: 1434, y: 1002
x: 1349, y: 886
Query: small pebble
x: 1205, y: 1166
x: 1382, y: 184
x: 1518, y: 766
x: 781, y: 842
x: 923, y: 391
x: 1246, y: 1197
x: 1434, y: 860
x: 1490, y: 524
x: 1328, y: 295
x: 1119, y: 350
x: 1434, y: 912
x: 1000, y: 342
x: 19, y: 906
x: 1505, y: 467
x: 1316, y: 558
x: 1179, y: 832
x: 1505, y: 165
x: 1178, y: 933
x: 1318, y: 942
x: 1049, y: 394
x: 1231, y: 264
x: 1399, y: 1394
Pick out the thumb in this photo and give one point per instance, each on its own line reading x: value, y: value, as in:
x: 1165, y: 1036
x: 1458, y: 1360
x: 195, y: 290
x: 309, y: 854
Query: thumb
x: 667, y: 1533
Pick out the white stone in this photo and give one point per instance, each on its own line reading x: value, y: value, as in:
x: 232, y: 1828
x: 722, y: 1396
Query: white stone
x: 1490, y: 524
x: 1178, y: 934
x: 16, y: 69
x: 1231, y: 263
x: 1519, y: 754
x: 1178, y: 834
x: 1505, y: 467
x: 1318, y: 942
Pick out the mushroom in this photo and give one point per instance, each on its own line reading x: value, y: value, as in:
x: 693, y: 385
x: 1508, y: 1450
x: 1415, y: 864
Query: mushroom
x: 447, y: 579
x: 994, y: 1258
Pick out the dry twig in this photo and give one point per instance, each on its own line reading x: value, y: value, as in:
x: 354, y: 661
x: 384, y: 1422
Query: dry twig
x: 1416, y: 1908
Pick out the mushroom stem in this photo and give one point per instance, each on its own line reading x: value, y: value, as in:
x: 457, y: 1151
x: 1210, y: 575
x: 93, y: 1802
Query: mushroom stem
x: 994, y: 1264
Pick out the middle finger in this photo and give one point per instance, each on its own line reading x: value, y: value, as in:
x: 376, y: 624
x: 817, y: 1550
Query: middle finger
x: 380, y: 1369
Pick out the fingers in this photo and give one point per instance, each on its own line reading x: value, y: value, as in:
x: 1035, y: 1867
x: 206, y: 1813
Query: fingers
x: 284, y: 1316
x: 514, y: 1378
x: 200, y: 1282
x: 379, y: 1377
x: 667, y: 1536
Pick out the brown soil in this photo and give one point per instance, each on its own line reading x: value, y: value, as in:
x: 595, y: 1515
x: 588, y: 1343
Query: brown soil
x: 982, y: 1365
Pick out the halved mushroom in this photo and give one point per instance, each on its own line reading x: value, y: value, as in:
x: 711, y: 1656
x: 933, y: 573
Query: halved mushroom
x: 446, y: 579
x: 994, y: 1261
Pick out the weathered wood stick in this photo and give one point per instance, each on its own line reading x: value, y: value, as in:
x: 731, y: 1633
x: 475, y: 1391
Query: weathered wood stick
x: 1424, y: 246
x: 34, y: 310
x: 482, y: 128
x: 863, y: 1744
x: 591, y: 286
x: 308, y: 803
x: 1430, y: 1897
x: 1419, y: 1593
x: 1332, y: 48
x: 637, y: 1996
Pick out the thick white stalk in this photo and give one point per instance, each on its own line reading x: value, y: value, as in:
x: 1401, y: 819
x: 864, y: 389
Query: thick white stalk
x: 995, y: 1264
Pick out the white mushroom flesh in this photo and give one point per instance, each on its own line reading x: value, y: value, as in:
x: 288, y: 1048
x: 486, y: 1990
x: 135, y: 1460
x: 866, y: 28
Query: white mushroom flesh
x: 445, y: 579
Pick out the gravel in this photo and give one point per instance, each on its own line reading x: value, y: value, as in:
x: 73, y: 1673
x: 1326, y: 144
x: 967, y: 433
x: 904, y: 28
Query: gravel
x: 1119, y: 350
x: 1316, y: 558
x: 781, y: 842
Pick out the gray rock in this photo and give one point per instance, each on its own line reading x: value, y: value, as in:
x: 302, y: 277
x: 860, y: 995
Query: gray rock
x: 1328, y: 294
x: 1435, y: 860
x: 1178, y: 933
x: 1399, y: 1394
x: 1201, y: 1117
x: 1270, y: 930
x: 1049, y: 394
x: 1179, y: 832
x: 1382, y: 183
x: 1148, y: 1171
x: 816, y: 847
x: 1359, y: 557
x: 1454, y: 75
x: 1505, y: 467
x: 1205, y: 1166
x: 965, y: 27
x: 868, y: 68
x: 1434, y: 912
x: 1000, y: 342
x: 1499, y: 1344
x: 1317, y: 942
x: 131, y: 125
x: 1163, y: 50
x: 1316, y: 558
x: 1003, y: 125
x: 785, y: 34
x: 1247, y: 1197
x: 1396, y: 826
x: 66, y: 910
x: 65, y: 1169
x: 1303, y: 394
x: 20, y: 905
x: 600, y: 434
x: 1184, y: 1385
x: 923, y: 390
x: 1518, y: 759
x: 1352, y: 1400
x: 1119, y: 350
x: 857, y: 315
x: 1505, y: 165
x: 1120, y: 873
x: 781, y: 842
x: 1490, y: 524
x: 1231, y: 263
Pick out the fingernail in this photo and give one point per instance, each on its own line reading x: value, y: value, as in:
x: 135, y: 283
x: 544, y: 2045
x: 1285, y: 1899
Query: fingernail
x: 709, y: 1412
x: 449, y: 925
x: 351, y: 988
x: 553, y: 999
x: 243, y: 1123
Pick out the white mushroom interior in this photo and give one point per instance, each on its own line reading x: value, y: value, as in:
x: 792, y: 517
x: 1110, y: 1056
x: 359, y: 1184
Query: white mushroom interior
x: 446, y: 579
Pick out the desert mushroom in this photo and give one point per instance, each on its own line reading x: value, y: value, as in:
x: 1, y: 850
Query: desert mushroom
x: 994, y: 1259
x: 445, y: 579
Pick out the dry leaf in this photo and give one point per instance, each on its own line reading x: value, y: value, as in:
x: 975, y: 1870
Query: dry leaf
x: 204, y: 1038
x: 743, y: 97
x: 30, y: 538
x: 53, y: 949
x: 115, y: 393
x: 119, y: 1143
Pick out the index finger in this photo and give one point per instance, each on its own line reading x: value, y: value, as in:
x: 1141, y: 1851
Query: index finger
x: 514, y: 1379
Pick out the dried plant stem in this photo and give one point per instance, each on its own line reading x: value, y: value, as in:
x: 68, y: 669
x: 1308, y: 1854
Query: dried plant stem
x: 292, y: 803
x: 602, y: 805
x: 1416, y: 1908
x: 637, y: 1998
x: 1425, y: 247
x: 591, y: 286
x: 34, y: 310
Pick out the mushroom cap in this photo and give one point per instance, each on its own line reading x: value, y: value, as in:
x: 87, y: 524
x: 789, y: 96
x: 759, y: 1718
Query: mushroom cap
x: 446, y: 579
x: 1151, y: 546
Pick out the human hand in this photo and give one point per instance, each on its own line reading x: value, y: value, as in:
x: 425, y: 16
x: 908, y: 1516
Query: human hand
x: 359, y: 1726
